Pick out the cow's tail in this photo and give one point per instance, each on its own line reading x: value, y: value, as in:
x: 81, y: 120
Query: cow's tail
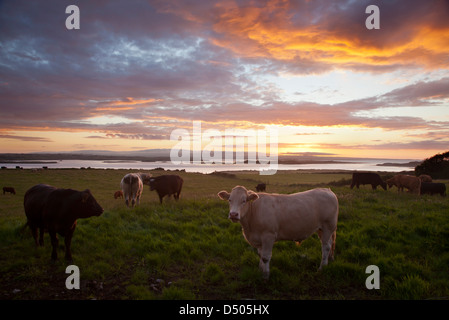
x: 21, y: 229
x: 180, y: 186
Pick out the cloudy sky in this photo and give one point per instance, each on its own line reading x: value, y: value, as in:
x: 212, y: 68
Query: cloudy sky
x: 138, y: 69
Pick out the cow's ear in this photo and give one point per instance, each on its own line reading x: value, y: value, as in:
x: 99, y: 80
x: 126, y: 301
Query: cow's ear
x: 85, y: 195
x: 252, y: 196
x: 223, y: 195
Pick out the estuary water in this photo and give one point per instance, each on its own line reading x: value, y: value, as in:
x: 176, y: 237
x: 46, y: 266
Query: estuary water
x: 394, y: 165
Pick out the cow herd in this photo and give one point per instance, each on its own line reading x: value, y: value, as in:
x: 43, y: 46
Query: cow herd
x: 56, y: 210
x: 265, y: 217
x: 132, y: 186
x: 415, y: 185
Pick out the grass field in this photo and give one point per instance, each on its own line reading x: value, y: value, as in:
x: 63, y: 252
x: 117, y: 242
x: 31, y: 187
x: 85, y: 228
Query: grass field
x: 190, y: 250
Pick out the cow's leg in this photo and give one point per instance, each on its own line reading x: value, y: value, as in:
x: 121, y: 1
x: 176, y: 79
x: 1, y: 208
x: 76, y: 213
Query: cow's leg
x: 41, y: 236
x: 133, y: 201
x: 327, y: 246
x: 35, y: 235
x: 138, y: 199
x: 333, y: 239
x: 265, y: 256
x: 127, y: 199
x: 68, y: 244
x: 54, y: 244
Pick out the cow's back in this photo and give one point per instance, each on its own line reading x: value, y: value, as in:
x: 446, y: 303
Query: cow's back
x: 297, y: 215
x: 60, y: 203
x: 168, y: 183
x: 131, y: 183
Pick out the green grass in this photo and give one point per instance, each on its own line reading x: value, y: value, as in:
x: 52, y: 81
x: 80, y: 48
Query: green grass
x: 190, y: 250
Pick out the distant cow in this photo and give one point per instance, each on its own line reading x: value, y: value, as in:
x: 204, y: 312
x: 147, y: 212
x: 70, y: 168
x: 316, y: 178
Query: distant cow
x: 9, y: 189
x: 362, y: 178
x: 261, y: 187
x: 425, y: 178
x: 268, y: 218
x: 118, y: 194
x: 167, y: 185
x: 413, y: 184
x: 132, y: 186
x: 56, y: 210
x: 433, y: 188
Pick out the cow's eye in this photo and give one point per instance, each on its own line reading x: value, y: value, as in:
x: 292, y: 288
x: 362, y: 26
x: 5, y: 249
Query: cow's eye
x: 244, y: 200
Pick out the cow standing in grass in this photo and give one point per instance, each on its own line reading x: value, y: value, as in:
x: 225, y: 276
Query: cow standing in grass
x: 401, y: 181
x: 9, y: 189
x: 268, y: 218
x: 167, y: 185
x: 56, y: 210
x: 372, y: 178
x: 433, y: 188
x: 132, y: 187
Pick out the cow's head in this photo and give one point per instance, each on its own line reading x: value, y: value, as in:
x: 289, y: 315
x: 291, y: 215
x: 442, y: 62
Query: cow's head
x: 89, y: 205
x: 238, y: 199
x: 146, y: 177
x: 152, y: 183
x: 390, y: 183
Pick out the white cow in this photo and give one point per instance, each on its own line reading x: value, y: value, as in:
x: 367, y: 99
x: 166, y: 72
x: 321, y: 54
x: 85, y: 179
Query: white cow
x: 267, y: 218
x: 132, y: 186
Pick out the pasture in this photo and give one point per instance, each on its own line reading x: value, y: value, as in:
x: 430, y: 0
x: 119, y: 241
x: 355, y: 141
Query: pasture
x: 190, y: 250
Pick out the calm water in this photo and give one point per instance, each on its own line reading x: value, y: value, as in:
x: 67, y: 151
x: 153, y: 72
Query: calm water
x: 360, y: 165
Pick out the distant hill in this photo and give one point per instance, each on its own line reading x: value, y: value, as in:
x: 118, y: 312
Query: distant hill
x: 141, y: 155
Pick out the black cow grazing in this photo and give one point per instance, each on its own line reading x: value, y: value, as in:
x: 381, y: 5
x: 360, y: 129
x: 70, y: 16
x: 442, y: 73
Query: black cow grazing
x: 371, y: 178
x: 56, y: 211
x: 9, y: 189
x: 167, y: 185
x: 433, y: 188
x: 261, y: 187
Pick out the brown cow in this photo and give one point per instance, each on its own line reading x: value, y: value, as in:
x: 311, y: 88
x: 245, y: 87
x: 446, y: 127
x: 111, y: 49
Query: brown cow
x: 268, y: 218
x: 413, y: 184
x: 118, y: 194
x: 167, y: 185
x: 9, y: 189
x: 56, y: 210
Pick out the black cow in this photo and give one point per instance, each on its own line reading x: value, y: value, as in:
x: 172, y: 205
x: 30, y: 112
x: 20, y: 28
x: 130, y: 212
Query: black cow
x: 9, y: 189
x: 371, y: 178
x: 433, y: 188
x: 167, y: 185
x: 56, y: 210
x: 261, y: 187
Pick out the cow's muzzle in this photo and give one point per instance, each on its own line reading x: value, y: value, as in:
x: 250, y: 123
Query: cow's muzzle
x: 234, y: 216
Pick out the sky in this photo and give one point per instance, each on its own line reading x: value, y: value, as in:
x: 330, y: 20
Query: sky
x: 136, y: 70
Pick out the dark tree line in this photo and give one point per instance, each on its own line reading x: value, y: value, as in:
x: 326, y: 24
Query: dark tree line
x: 437, y: 166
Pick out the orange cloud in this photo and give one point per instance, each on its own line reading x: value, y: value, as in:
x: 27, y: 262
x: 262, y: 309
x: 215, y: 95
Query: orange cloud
x: 272, y: 32
x: 128, y: 103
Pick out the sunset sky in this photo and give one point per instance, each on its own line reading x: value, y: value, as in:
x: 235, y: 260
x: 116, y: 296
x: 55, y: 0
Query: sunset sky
x: 137, y: 70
